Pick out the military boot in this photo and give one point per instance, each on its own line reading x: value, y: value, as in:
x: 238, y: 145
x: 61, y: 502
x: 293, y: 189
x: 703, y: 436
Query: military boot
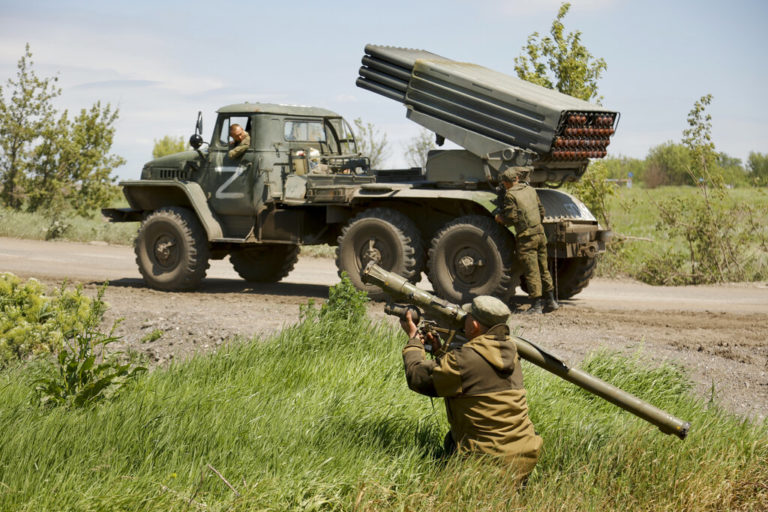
x: 551, y: 304
x: 536, y: 307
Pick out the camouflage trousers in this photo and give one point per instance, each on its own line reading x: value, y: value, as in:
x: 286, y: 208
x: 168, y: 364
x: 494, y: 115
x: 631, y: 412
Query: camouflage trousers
x: 532, y: 253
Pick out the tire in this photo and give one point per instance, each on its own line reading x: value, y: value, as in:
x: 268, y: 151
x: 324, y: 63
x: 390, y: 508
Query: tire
x: 471, y: 256
x: 265, y: 263
x: 573, y: 275
x: 385, y: 236
x: 172, y: 249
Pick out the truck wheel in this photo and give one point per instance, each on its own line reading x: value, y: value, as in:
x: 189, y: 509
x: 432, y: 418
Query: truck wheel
x: 385, y: 236
x: 172, y: 249
x: 573, y: 275
x: 265, y: 263
x: 471, y: 256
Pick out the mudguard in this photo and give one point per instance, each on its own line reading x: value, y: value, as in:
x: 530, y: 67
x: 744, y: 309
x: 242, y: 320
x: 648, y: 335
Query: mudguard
x: 149, y: 195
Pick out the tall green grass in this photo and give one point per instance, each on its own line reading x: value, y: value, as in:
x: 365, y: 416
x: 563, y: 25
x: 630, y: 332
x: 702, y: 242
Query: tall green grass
x: 319, y: 417
x: 37, y: 226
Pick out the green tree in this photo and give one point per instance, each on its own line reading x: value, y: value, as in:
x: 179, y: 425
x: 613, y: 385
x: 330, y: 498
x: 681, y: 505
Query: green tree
x: 73, y: 164
x: 417, y: 150
x: 24, y: 115
x: 731, y: 169
x: 168, y: 145
x: 595, y: 191
x: 619, y: 167
x: 371, y: 142
x: 698, y: 139
x: 757, y: 164
x: 560, y: 61
x: 49, y: 160
x: 667, y: 164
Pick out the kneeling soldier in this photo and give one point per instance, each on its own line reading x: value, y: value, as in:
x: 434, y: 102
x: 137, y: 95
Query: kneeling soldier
x: 482, y: 383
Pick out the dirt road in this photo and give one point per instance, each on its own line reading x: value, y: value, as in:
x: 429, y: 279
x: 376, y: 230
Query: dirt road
x: 718, y: 333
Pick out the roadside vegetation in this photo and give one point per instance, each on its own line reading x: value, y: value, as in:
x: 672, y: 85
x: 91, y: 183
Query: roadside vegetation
x: 319, y: 417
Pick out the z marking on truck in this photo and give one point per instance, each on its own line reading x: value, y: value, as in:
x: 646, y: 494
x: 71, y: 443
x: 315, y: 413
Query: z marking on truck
x: 236, y: 172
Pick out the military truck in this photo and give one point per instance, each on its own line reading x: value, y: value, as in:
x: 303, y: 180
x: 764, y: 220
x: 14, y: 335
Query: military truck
x: 302, y: 181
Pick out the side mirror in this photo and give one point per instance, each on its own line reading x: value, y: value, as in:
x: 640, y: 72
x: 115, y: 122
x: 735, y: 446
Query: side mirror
x: 196, y: 140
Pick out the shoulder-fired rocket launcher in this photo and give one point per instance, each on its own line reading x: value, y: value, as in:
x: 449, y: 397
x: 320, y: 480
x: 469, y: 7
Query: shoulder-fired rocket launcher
x: 451, y: 315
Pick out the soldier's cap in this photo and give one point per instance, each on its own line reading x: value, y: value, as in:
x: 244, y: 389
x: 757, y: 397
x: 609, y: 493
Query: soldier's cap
x: 488, y: 310
x: 512, y: 173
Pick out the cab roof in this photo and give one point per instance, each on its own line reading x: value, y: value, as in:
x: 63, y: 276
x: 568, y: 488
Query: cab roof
x: 272, y: 108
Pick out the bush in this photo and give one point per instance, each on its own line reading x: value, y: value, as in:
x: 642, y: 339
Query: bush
x: 345, y: 302
x: 32, y: 322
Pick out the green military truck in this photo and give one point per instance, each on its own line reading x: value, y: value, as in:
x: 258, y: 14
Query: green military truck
x: 302, y: 181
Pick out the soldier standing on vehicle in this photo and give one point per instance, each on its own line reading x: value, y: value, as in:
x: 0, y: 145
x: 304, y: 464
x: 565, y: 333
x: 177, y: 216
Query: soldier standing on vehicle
x: 241, y: 141
x: 522, y: 209
x: 482, y: 383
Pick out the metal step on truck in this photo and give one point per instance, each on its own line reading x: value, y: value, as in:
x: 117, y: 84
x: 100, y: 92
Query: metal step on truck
x: 302, y: 181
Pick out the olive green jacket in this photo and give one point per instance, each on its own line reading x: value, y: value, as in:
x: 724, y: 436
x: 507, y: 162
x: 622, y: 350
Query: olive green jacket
x: 240, y: 148
x: 482, y: 382
x: 523, y: 210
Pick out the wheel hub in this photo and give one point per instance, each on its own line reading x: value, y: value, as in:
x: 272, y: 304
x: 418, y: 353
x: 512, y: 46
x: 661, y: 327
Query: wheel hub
x: 467, y: 263
x: 165, y: 250
x: 370, y: 252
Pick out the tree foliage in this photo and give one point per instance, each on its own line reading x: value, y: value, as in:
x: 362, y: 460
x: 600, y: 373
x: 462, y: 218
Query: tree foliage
x: 49, y: 160
x: 560, y: 61
x: 168, y: 145
x: 417, y: 150
x: 371, y: 142
x: 667, y: 164
x: 757, y: 164
x: 595, y: 191
x: 24, y: 114
x: 73, y: 165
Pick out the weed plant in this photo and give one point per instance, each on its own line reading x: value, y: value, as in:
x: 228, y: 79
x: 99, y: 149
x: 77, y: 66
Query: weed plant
x: 34, y: 321
x: 319, y: 417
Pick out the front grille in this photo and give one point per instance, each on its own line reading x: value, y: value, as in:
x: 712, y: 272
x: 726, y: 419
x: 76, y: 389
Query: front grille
x: 173, y: 174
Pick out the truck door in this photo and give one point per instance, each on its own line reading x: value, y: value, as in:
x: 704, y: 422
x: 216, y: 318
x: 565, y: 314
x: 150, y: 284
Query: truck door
x: 230, y: 181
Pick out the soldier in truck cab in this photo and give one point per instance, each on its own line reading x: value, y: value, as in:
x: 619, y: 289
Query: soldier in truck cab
x: 240, y: 141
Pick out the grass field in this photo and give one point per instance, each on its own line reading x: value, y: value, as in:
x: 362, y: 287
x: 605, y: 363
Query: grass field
x: 319, y: 417
x: 634, y: 214
x: 36, y: 226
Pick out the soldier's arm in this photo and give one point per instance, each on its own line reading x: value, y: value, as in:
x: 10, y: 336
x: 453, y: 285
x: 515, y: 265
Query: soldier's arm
x: 541, y: 207
x: 241, y: 148
x: 418, y: 369
x: 509, y: 210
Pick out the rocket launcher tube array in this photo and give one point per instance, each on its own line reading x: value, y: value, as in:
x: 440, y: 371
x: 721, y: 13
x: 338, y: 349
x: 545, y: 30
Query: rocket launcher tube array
x: 480, y: 102
x: 452, y: 315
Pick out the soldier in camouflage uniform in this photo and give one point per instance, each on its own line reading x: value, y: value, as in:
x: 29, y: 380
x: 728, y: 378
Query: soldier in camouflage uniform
x: 482, y: 383
x: 242, y: 141
x: 523, y: 211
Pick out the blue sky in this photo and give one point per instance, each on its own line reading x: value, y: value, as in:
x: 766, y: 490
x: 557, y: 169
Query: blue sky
x: 160, y: 62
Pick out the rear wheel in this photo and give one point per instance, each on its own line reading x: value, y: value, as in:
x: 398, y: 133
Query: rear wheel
x: 172, y: 249
x: 385, y: 236
x: 471, y: 256
x: 265, y: 263
x: 573, y: 275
